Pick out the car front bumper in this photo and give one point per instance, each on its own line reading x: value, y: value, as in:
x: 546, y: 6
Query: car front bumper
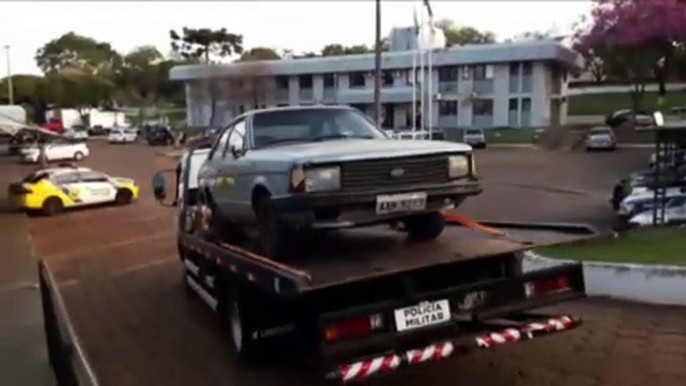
x: 344, y: 209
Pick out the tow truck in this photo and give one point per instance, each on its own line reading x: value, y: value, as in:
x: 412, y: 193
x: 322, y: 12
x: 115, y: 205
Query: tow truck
x: 364, y: 302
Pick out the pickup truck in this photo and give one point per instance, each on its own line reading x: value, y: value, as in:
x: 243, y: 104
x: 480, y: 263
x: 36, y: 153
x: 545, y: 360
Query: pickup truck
x: 297, y: 170
x: 364, y: 302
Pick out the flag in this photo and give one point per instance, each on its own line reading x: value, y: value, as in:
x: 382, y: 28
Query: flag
x: 428, y: 9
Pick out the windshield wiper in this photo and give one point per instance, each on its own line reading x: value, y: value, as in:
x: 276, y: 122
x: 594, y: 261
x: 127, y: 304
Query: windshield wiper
x: 342, y: 136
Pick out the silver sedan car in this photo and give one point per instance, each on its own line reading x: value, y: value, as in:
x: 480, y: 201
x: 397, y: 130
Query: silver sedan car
x: 601, y: 138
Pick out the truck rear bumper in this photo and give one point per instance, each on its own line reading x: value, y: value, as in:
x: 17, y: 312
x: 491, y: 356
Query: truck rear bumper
x: 518, y: 331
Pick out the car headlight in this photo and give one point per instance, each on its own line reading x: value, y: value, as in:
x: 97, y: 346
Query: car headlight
x: 321, y: 179
x: 458, y: 166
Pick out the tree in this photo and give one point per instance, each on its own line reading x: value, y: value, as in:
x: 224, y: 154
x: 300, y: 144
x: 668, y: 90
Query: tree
x: 260, y: 53
x: 140, y: 73
x: 462, y: 35
x: 205, y: 43
x: 75, y: 51
x: 636, y: 40
x: 339, y: 50
x: 77, y: 89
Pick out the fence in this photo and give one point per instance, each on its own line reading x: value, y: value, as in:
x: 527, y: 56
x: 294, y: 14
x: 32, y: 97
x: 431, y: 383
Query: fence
x: 66, y: 355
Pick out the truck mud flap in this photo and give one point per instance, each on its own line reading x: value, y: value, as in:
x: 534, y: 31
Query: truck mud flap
x: 389, y: 362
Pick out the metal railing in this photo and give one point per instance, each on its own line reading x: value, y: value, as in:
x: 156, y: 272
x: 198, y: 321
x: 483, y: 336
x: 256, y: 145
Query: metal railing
x: 65, y: 353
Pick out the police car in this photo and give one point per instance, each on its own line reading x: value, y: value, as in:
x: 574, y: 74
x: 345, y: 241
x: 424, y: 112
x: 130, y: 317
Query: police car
x: 52, y: 190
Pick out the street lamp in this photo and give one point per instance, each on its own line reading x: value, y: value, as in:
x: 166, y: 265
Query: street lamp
x: 10, y: 89
x: 377, y: 67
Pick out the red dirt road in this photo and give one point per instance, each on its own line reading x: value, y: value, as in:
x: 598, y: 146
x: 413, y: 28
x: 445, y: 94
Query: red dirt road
x: 118, y: 270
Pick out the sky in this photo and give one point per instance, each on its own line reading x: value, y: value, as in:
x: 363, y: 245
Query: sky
x: 298, y: 25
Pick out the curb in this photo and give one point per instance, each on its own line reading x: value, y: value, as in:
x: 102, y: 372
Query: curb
x: 653, y: 284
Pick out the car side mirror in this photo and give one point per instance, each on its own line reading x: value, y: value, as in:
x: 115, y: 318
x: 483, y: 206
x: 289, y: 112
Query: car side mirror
x: 236, y: 151
x: 659, y: 119
x: 159, y: 186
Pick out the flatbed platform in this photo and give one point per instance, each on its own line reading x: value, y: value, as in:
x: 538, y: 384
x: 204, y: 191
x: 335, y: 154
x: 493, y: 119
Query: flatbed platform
x: 366, y: 253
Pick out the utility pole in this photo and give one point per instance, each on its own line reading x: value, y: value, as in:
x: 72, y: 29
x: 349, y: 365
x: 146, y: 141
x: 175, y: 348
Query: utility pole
x: 10, y: 88
x: 377, y: 67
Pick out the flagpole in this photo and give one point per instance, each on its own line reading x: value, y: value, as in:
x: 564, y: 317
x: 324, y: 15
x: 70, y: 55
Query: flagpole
x: 415, y: 51
x: 421, y: 72
x: 430, y: 84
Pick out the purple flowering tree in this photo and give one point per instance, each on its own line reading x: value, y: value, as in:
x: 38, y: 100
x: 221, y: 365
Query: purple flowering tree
x: 637, y: 40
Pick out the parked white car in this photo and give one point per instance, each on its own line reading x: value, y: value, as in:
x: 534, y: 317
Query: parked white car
x: 601, y: 138
x: 475, y: 138
x: 674, y: 213
x: 55, y: 151
x: 75, y: 134
x: 122, y: 136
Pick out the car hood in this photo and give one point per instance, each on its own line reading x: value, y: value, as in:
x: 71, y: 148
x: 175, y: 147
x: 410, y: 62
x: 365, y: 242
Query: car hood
x: 358, y: 149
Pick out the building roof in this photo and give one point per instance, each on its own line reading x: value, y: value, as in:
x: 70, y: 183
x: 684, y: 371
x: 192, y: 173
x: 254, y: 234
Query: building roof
x: 461, y: 55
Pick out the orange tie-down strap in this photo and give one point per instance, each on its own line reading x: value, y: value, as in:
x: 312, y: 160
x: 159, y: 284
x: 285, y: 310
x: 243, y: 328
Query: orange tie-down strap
x: 471, y: 224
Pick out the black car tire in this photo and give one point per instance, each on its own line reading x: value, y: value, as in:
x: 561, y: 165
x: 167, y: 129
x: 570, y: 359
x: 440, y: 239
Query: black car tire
x: 123, y: 197
x: 52, y: 206
x: 425, y: 227
x: 238, y: 314
x: 273, y: 232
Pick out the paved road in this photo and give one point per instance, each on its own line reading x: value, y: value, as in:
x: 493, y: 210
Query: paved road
x: 121, y: 280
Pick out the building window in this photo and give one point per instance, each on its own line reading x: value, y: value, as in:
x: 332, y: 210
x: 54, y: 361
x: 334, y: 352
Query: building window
x: 329, y: 80
x: 447, y: 108
x: 388, y: 78
x: 282, y: 82
x: 526, y: 68
x: 356, y: 79
x: 448, y: 74
x: 514, y: 69
x: 526, y: 105
x: 305, y: 81
x: 482, y: 107
x: 483, y: 72
x: 513, y: 104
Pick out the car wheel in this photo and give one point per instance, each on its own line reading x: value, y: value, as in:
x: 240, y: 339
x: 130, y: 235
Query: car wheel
x: 273, y: 233
x: 52, y: 206
x: 424, y: 227
x: 78, y: 156
x: 123, y: 197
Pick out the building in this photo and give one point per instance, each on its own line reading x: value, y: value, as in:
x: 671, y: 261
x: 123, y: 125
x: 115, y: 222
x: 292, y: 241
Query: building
x: 495, y: 85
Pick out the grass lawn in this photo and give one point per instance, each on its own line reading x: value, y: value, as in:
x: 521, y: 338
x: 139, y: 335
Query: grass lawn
x: 649, y: 246
x: 603, y: 104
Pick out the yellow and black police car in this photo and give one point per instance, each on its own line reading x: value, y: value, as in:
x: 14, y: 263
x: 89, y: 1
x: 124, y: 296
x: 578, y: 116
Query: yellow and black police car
x: 52, y: 190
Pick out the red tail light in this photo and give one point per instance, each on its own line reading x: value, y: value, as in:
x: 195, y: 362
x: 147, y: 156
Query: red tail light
x: 353, y: 327
x: 546, y: 286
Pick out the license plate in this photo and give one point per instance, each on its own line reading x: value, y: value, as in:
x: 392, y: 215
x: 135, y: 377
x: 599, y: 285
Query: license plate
x: 422, y: 315
x: 408, y: 202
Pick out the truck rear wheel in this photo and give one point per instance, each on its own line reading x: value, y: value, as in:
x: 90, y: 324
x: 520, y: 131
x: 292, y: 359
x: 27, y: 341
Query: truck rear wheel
x: 425, y: 227
x: 237, y: 314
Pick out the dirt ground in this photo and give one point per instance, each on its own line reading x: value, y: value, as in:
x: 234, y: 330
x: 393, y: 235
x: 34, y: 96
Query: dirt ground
x: 119, y: 273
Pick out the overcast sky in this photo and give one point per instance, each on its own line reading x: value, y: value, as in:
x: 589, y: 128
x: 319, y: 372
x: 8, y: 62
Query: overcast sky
x: 301, y: 26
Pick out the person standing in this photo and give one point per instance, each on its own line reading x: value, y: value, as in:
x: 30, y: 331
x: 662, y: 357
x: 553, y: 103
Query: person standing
x: 42, y: 156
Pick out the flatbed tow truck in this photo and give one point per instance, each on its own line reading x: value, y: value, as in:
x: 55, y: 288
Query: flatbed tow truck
x: 363, y: 303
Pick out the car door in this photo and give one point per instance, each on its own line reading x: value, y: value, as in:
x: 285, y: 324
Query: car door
x: 233, y: 174
x: 96, y: 187
x: 68, y: 183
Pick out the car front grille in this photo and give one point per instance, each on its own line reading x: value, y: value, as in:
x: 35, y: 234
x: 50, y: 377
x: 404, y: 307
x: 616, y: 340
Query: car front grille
x: 376, y: 174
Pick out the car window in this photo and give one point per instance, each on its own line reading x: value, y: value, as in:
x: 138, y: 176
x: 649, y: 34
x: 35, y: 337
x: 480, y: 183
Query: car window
x: 220, y: 145
x: 310, y: 125
x: 676, y: 202
x: 236, y: 137
x: 600, y: 130
x: 93, y: 176
x: 65, y: 178
x: 35, y: 177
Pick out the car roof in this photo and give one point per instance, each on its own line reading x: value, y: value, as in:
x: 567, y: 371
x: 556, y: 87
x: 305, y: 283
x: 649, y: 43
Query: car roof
x: 64, y: 169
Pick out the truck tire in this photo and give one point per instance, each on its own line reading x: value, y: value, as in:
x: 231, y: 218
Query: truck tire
x: 238, y: 315
x: 273, y: 232
x: 424, y: 227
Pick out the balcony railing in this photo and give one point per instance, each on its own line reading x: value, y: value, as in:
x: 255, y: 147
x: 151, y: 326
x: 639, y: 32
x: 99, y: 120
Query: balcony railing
x: 448, y: 87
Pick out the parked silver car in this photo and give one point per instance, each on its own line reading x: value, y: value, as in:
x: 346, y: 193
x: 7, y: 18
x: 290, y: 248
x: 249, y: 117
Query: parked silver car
x: 328, y: 167
x: 601, y: 138
x: 475, y: 138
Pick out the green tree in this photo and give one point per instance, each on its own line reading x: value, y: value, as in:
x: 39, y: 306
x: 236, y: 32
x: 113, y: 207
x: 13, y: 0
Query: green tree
x: 338, y: 50
x: 205, y: 43
x: 139, y: 74
x: 462, y: 35
x: 75, y: 51
x: 260, y: 53
x: 78, y: 89
x: 25, y: 88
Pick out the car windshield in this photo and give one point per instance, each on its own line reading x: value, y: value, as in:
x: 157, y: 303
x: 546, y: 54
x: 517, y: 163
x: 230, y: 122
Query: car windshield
x: 35, y: 177
x: 311, y: 125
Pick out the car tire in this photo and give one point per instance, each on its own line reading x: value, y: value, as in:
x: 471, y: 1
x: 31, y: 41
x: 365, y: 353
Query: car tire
x: 52, y: 206
x: 425, y: 227
x: 123, y: 197
x: 273, y: 234
x: 237, y: 313
x: 78, y: 156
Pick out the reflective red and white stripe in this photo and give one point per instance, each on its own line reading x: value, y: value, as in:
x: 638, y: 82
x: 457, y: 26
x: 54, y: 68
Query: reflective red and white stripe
x: 508, y: 336
x: 433, y: 352
x: 511, y: 335
x: 556, y: 324
x: 366, y: 368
